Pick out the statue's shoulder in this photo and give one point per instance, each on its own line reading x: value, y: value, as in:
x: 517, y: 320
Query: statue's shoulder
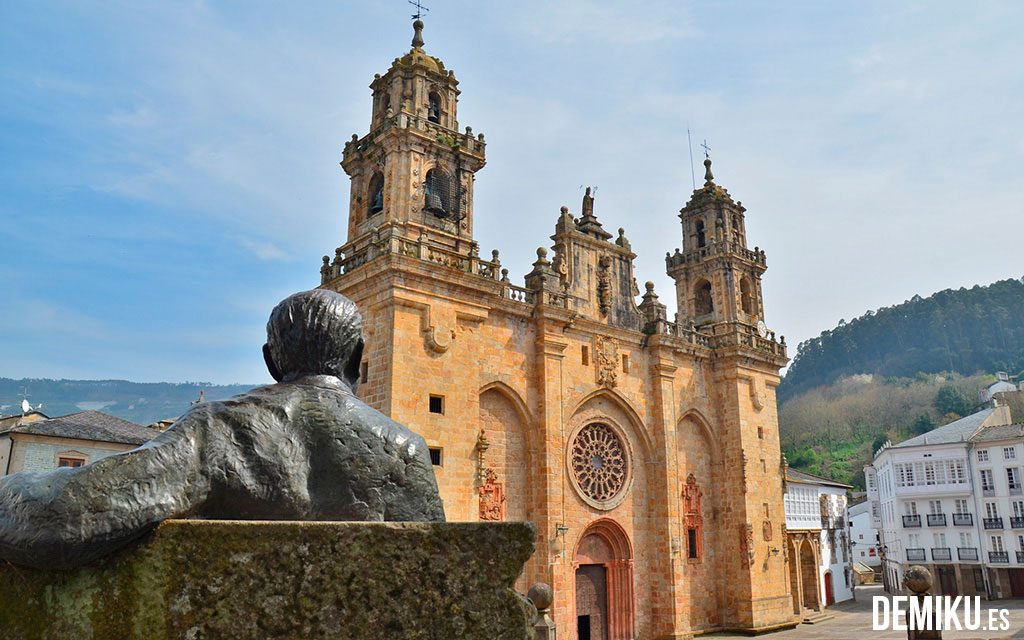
x: 264, y: 402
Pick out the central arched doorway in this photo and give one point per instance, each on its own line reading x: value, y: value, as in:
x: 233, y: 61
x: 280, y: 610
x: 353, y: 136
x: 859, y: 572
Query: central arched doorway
x: 603, y: 567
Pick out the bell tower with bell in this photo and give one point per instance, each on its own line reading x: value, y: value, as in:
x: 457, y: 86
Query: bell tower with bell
x: 412, y: 174
x: 718, y: 279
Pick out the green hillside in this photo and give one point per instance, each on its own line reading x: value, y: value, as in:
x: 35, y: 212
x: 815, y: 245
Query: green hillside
x: 142, y: 403
x: 834, y: 429
x: 897, y: 372
x: 966, y: 331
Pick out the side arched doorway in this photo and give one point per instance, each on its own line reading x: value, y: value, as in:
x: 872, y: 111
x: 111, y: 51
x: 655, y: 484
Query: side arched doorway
x: 603, y: 568
x: 809, y: 576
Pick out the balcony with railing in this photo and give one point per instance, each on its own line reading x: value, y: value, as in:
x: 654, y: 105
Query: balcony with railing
x: 963, y: 520
x: 1017, y: 522
x: 1016, y: 490
x: 999, y: 557
x: 967, y: 554
x: 936, y: 519
x: 988, y: 492
x: 992, y: 523
x: 715, y: 249
x: 915, y: 555
x: 1020, y: 557
x: 911, y: 521
x: 941, y: 554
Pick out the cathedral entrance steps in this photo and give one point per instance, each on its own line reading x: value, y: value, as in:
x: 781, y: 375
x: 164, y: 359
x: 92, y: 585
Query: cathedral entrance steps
x: 816, y: 617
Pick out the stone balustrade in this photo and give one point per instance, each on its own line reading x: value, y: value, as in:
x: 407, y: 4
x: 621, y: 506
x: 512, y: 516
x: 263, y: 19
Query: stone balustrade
x: 465, y: 141
x: 755, y: 255
x: 391, y: 241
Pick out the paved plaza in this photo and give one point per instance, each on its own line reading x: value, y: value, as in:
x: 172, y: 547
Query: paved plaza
x: 853, y: 620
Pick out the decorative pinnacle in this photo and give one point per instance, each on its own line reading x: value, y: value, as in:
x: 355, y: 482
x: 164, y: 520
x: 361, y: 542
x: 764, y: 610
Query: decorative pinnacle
x: 417, y: 38
x: 708, y: 176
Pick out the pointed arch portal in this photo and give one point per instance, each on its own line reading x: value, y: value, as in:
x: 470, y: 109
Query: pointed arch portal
x: 603, y: 566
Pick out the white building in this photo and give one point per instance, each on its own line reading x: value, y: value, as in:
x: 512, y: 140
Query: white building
x: 1003, y: 384
x: 997, y: 453
x: 864, y: 540
x: 820, y: 567
x: 923, y: 495
x: 42, y: 443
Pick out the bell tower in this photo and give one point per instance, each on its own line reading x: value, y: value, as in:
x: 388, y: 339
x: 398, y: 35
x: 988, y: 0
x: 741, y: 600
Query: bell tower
x: 412, y: 174
x: 718, y: 279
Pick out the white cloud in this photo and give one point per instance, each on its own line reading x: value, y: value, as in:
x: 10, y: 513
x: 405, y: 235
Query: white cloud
x: 265, y: 250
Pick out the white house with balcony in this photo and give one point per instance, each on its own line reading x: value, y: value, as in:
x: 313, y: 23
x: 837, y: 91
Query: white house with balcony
x: 818, y: 553
x: 924, y: 493
x: 997, y: 455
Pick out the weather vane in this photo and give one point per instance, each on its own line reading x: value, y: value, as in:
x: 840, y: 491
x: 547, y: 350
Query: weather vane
x: 707, y: 149
x: 419, y: 9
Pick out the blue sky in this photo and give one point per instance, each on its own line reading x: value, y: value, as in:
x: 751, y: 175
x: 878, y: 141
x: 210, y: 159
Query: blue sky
x: 169, y: 171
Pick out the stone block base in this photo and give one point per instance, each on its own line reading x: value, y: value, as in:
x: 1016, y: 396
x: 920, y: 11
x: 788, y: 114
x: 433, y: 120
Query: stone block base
x: 227, y: 579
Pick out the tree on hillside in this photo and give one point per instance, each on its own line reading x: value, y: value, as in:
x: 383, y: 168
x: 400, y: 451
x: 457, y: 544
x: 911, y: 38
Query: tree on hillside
x: 950, y: 400
x: 923, y: 424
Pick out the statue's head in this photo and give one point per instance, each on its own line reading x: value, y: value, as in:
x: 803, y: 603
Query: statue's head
x: 316, y: 332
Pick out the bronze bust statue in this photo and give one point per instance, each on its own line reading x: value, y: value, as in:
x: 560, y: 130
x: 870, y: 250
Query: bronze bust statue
x: 305, y: 448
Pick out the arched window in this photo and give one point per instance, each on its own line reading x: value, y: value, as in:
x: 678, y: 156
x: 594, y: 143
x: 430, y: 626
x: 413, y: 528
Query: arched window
x: 434, y: 108
x: 701, y: 239
x: 704, y: 303
x: 746, y: 297
x: 437, y: 194
x: 376, y: 193
x: 385, y: 104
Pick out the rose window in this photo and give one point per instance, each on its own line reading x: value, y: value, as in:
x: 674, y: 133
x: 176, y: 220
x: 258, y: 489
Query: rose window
x: 600, y: 465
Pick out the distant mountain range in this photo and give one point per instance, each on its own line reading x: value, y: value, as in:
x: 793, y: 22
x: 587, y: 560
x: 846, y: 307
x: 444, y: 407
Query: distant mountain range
x: 139, y: 402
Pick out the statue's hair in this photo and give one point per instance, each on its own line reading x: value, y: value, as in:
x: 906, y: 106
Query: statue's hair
x: 315, y: 332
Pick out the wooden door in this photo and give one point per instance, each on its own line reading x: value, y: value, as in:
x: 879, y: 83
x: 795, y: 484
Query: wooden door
x: 830, y: 597
x: 947, y: 581
x: 1016, y: 582
x: 591, y: 602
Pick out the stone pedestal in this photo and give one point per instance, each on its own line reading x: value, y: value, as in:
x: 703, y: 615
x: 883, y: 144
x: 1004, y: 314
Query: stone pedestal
x: 230, y: 579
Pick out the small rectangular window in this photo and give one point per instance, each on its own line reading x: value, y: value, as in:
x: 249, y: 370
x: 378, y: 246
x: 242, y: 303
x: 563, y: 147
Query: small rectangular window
x: 691, y: 543
x: 364, y: 372
x: 625, y: 363
x: 437, y: 404
x: 585, y: 355
x: 435, y: 456
x: 760, y: 433
x: 983, y: 455
x: 70, y: 462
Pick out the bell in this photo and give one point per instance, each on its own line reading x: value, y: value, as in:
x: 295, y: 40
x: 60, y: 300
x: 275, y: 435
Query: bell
x: 434, y: 205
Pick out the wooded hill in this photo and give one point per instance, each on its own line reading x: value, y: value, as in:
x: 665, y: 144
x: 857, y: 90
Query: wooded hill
x: 833, y: 430
x: 965, y: 331
x: 897, y: 372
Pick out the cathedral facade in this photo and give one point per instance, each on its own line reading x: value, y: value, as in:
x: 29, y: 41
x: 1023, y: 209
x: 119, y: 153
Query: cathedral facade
x: 645, y: 450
